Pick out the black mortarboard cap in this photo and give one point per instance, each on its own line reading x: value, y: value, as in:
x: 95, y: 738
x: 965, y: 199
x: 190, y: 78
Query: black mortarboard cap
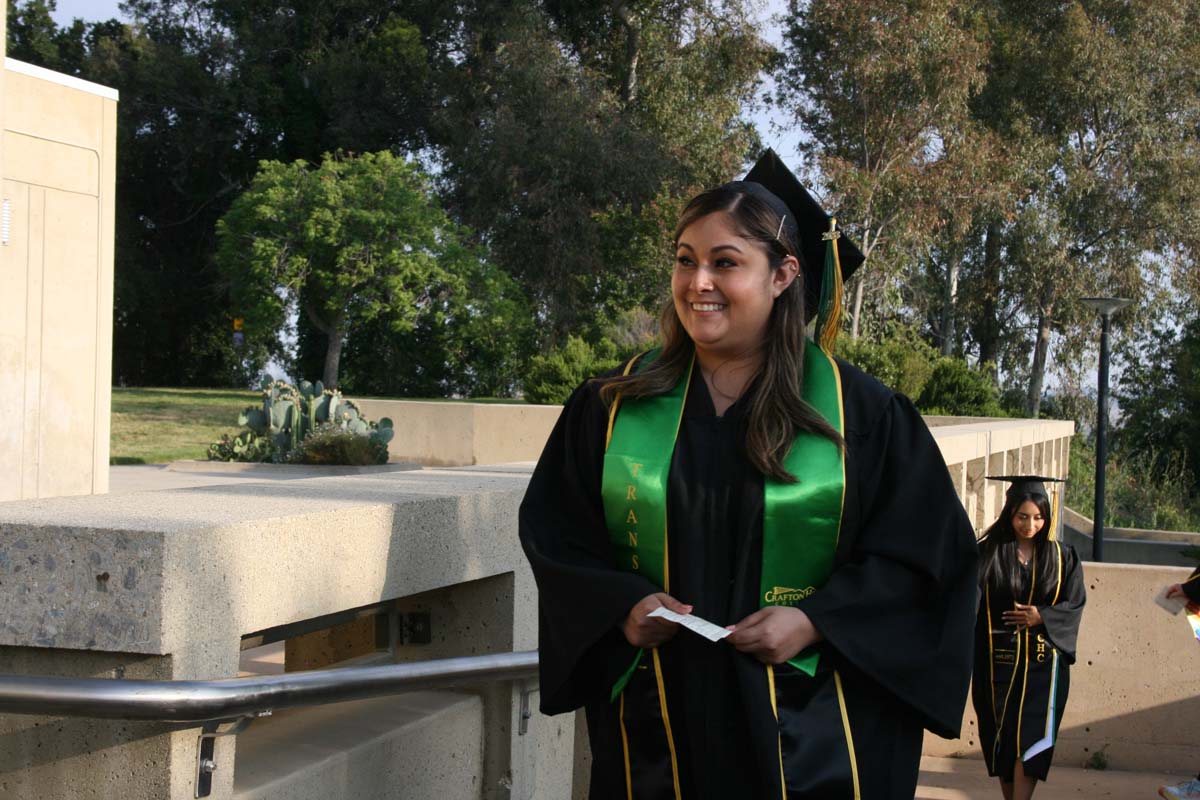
x: 786, y: 194
x: 1026, y: 484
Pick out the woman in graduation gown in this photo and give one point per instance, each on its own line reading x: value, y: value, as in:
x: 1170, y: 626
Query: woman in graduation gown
x: 1028, y: 622
x: 744, y: 475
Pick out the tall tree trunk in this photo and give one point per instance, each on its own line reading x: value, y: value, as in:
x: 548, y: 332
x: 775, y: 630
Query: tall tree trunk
x: 857, y: 311
x: 1037, y: 372
x: 335, y: 335
x: 949, y: 301
x: 987, y: 331
x: 333, y: 359
x: 633, y: 43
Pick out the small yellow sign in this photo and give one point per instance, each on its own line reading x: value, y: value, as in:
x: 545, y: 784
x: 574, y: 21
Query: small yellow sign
x: 237, y: 323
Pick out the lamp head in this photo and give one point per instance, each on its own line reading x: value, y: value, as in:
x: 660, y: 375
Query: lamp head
x: 1106, y: 306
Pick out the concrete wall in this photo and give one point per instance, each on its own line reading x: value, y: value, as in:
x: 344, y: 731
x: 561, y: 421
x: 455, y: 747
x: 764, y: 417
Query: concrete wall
x: 462, y: 434
x: 56, y: 282
x: 456, y: 434
x: 1133, y: 692
x: 1131, y: 545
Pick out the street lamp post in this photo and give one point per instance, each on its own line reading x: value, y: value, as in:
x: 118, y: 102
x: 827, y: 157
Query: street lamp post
x: 1106, y: 306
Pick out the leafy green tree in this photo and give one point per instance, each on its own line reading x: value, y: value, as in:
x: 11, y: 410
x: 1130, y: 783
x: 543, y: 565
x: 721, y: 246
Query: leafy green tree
x: 473, y: 339
x: 553, y: 376
x: 345, y: 242
x: 33, y: 36
x: 1159, y: 396
x: 1100, y: 96
x: 901, y: 359
x: 882, y: 89
x: 957, y: 389
x: 210, y: 88
x: 572, y: 171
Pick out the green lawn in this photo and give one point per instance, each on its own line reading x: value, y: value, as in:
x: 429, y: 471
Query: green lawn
x: 154, y: 426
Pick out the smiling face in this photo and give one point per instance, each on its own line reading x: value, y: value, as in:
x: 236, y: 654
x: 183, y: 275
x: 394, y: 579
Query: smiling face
x: 724, y: 287
x: 1027, y: 521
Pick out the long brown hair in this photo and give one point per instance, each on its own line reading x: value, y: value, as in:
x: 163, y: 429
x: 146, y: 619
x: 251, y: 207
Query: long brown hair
x: 777, y: 412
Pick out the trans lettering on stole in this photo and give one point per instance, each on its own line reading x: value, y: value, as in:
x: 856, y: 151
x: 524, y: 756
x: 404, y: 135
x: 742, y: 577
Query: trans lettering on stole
x: 631, y: 520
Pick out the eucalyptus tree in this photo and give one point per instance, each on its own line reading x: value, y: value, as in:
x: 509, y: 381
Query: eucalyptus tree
x: 1105, y: 94
x: 880, y: 88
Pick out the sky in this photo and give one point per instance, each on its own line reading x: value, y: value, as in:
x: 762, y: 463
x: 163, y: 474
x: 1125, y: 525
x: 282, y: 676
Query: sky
x: 86, y: 9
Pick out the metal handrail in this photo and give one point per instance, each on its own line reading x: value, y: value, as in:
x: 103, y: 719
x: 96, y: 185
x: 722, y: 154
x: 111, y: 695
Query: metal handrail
x: 199, y: 701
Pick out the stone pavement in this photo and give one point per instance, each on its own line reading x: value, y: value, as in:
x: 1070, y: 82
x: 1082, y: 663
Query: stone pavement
x: 966, y: 779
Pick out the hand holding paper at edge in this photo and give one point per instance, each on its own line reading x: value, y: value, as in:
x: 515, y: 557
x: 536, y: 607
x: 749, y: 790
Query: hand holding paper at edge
x: 714, y: 633
x: 1172, y: 605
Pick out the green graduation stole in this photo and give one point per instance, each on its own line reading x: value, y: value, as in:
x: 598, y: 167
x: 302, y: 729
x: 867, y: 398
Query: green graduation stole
x: 801, y: 521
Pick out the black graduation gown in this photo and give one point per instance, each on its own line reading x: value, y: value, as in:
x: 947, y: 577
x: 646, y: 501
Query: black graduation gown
x: 896, y: 612
x: 1022, y: 677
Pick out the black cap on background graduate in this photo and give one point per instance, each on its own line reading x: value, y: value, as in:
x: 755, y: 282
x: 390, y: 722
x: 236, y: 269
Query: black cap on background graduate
x: 829, y: 258
x: 1026, y: 484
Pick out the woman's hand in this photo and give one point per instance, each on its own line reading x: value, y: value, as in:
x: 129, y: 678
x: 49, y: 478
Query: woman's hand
x: 774, y: 634
x: 1175, y: 590
x: 1023, y: 616
x: 643, y: 631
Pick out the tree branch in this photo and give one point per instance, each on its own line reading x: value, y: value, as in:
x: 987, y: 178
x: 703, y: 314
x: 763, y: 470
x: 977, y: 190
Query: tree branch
x: 633, y: 38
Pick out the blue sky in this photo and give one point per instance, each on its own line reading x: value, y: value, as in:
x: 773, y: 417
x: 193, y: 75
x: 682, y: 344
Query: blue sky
x: 86, y: 9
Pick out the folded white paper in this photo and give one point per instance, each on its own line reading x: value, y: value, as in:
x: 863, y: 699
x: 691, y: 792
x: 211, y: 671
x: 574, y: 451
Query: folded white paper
x: 714, y: 633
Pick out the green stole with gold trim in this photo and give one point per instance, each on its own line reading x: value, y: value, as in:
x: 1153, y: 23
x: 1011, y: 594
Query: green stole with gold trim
x: 801, y: 520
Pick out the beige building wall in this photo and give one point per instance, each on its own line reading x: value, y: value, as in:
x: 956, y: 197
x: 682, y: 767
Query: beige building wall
x: 58, y: 170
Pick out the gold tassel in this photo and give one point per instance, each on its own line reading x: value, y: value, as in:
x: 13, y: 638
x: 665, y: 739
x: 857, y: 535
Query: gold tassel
x: 829, y: 315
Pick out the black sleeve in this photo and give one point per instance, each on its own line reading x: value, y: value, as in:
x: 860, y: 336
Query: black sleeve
x: 582, y: 597
x: 902, y: 607
x: 1191, y: 587
x: 1062, y: 618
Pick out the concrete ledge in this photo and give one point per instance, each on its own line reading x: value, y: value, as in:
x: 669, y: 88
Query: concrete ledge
x: 963, y: 441
x: 1084, y: 526
x: 458, y: 434
x: 292, y: 470
x: 1131, y: 545
x: 161, y: 572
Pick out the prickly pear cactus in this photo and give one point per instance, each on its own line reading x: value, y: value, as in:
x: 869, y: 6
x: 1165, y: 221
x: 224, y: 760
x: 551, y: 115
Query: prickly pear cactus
x: 288, y: 414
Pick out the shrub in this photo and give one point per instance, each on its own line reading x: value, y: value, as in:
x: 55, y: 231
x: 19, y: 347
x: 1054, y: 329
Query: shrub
x: 330, y: 444
x: 956, y: 389
x: 904, y: 361
x: 246, y: 446
x: 552, y: 377
x: 273, y: 431
x: 1141, y: 490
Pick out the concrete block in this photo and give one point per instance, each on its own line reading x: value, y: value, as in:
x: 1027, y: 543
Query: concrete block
x: 421, y: 745
x: 461, y: 434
